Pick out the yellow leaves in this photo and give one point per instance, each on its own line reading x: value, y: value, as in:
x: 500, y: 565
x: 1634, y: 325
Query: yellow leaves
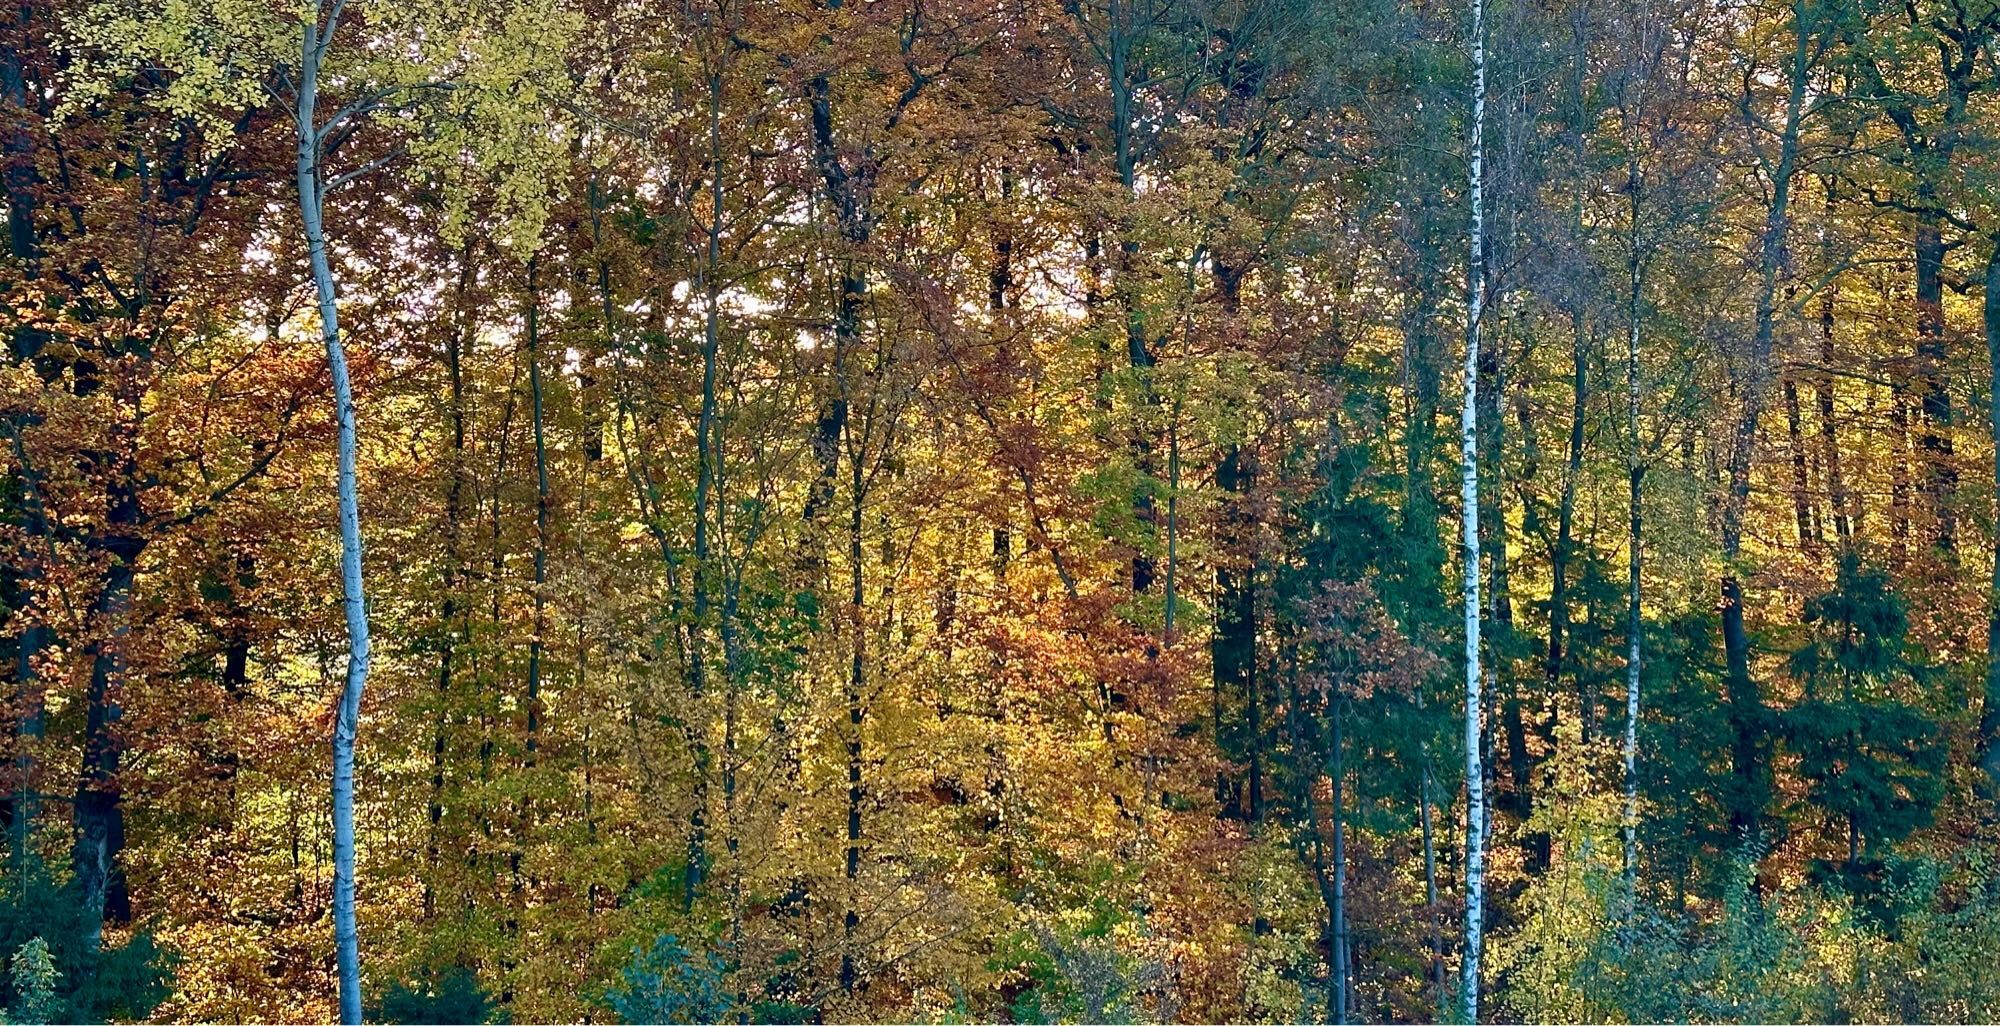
x: 490, y: 137
x: 472, y: 88
x: 200, y: 59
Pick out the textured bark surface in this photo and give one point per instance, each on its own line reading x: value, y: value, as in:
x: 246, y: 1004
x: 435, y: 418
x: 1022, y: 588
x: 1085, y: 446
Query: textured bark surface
x: 347, y: 716
x: 1468, y: 433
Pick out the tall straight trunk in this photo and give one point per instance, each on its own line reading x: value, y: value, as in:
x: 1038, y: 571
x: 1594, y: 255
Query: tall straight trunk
x: 1120, y: 37
x: 1000, y: 285
x: 1173, y: 521
x: 1559, y: 556
x: 1940, y: 476
x: 536, y: 414
x: 1989, y: 717
x: 850, y: 205
x: 1234, y: 649
x: 1802, y: 505
x: 705, y: 495
x: 1434, y: 932
x: 1635, y: 470
x: 532, y: 700
x: 1745, y: 703
x: 1419, y: 530
x: 1823, y: 387
x: 591, y: 430
x: 856, y: 681
x: 488, y: 856
x: 1342, y: 998
x: 347, y: 717
x: 29, y: 636
x: 98, y: 815
x: 849, y: 201
x: 711, y: 504
x: 451, y: 609
x: 704, y: 499
x: 1468, y: 435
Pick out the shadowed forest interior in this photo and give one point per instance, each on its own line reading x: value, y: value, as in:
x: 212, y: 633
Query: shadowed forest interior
x: 1000, y: 511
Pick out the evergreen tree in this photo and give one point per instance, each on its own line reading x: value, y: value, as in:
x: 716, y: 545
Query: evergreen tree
x: 1869, y: 753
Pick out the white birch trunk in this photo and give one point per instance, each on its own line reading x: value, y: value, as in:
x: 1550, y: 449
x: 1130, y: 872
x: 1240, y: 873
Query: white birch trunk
x: 348, y: 715
x: 1468, y: 433
x: 1633, y: 470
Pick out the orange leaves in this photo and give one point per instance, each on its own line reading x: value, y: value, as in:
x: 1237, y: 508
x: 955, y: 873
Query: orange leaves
x: 1360, y: 650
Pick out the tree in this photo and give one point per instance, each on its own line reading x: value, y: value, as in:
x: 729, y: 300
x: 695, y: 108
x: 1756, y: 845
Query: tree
x: 930, y: 510
x: 223, y: 57
x: 1870, y: 754
x: 1747, y: 709
x: 1475, y: 297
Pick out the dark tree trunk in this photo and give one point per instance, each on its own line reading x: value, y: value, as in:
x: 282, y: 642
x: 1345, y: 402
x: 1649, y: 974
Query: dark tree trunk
x: 1802, y: 504
x: 1561, y: 551
x: 1940, y: 476
x: 99, y: 815
x: 1989, y: 718
x: 1750, y: 786
x: 27, y: 636
x: 1837, y: 498
x: 1234, y: 651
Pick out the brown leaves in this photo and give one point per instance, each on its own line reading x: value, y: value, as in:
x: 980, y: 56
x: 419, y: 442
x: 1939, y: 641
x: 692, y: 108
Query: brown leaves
x: 1358, y: 649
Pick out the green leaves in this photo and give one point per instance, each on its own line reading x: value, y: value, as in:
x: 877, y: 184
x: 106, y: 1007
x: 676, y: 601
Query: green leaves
x: 475, y: 95
x: 671, y: 983
x: 1867, y: 753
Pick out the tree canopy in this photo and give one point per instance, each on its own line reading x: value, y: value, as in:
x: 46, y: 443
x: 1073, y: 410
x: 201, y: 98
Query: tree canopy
x: 949, y: 510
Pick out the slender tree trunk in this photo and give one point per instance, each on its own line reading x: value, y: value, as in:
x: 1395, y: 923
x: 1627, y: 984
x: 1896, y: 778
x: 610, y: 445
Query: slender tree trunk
x: 1579, y: 360
x: 1121, y: 33
x: 532, y: 701
x: 704, y: 499
x: 487, y: 856
x: 19, y: 583
x: 1989, y: 718
x: 1000, y: 285
x: 712, y: 504
x: 536, y: 413
x: 1468, y: 433
x: 451, y: 610
x: 1802, y: 504
x: 347, y: 718
x: 1559, y: 557
x: 1342, y: 999
x: 1745, y: 704
x: 850, y: 203
x: 98, y: 814
x: 1234, y: 649
x: 1940, y: 476
x: 1829, y: 432
x: 856, y: 681
x: 1432, y: 910
x: 1635, y: 469
x: 1173, y: 520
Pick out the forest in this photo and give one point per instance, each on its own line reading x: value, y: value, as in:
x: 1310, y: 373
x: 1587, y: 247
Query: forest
x: 1025, y: 511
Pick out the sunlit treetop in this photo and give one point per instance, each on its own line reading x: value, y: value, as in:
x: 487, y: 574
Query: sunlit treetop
x: 465, y: 91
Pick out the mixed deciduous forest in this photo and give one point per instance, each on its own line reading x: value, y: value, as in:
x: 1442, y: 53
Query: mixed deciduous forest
x: 1000, y: 510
